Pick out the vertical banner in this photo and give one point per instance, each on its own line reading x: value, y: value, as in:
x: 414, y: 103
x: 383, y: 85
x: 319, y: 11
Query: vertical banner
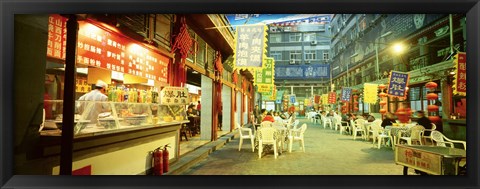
x: 397, y: 84
x: 265, y: 75
x: 317, y: 99
x: 57, y: 36
x: 324, y: 99
x: 460, y: 81
x: 332, y: 98
x: 370, y: 93
x: 250, y: 46
x: 346, y: 93
x: 293, y: 99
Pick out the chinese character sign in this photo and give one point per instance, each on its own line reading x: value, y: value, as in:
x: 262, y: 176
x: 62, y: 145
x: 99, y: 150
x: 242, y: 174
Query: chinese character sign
x: 460, y: 82
x: 317, y: 99
x: 250, y: 46
x: 293, y: 99
x: 332, y: 97
x: 265, y: 75
x: 398, y: 83
x: 174, y: 96
x: 324, y: 99
x: 370, y: 93
x: 264, y: 88
x: 346, y: 93
x: 57, y: 36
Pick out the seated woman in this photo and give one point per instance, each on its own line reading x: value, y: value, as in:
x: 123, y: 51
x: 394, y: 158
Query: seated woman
x: 190, y: 111
x: 389, y: 120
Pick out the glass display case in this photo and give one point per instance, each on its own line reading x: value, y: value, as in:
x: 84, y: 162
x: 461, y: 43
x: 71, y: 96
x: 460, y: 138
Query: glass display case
x: 94, y: 117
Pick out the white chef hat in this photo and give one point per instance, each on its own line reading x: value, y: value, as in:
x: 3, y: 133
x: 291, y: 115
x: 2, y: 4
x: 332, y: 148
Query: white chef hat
x: 100, y: 83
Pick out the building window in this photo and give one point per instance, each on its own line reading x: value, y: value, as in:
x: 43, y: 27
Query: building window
x: 275, y: 38
x: 296, y: 56
x: 201, y: 52
x: 295, y: 37
x: 277, y: 55
x: 309, y: 37
x: 310, y: 55
x: 163, y: 28
x: 325, y: 56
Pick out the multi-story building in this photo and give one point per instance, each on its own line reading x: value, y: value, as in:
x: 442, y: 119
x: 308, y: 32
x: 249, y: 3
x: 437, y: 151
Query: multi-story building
x: 302, y: 54
x: 361, y: 53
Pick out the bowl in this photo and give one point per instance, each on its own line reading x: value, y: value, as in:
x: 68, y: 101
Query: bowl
x: 135, y: 120
x: 168, y: 119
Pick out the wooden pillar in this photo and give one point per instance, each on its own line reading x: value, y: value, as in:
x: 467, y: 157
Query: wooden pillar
x: 66, y: 148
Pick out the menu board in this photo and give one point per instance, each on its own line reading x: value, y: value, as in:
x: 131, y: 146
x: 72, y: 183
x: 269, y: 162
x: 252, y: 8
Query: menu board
x: 397, y: 84
x: 174, y: 96
x: 101, y: 48
x: 332, y: 98
x: 57, y: 35
x: 250, y: 46
x: 346, y: 92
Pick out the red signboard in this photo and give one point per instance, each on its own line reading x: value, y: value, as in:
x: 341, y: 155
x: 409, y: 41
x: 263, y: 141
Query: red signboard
x: 461, y: 77
x: 57, y: 34
x: 104, y: 49
x: 317, y: 99
x: 332, y: 98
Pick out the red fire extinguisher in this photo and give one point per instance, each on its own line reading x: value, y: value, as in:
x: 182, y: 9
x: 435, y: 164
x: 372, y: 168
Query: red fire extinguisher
x: 165, y: 158
x: 157, y: 161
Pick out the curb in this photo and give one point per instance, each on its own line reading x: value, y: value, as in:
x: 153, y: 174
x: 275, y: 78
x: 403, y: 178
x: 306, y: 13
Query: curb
x: 192, y: 158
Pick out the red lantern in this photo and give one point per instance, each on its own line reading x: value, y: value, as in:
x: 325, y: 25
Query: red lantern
x: 382, y: 111
x: 355, y: 97
x: 382, y: 86
x: 434, y: 119
x: 383, y: 102
x: 356, y: 109
x: 354, y: 90
x: 432, y: 108
x: 432, y: 96
x: 431, y: 85
x: 355, y: 102
x: 344, y: 111
x: 382, y: 94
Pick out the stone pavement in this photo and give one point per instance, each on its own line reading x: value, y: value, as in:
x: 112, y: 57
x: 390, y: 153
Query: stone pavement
x: 327, y: 153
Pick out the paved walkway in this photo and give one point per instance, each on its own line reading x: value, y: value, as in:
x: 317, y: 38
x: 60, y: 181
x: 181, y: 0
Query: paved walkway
x: 327, y: 153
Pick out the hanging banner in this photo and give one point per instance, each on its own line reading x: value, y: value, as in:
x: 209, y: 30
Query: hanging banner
x: 332, y: 98
x: 317, y: 99
x: 174, y: 96
x: 346, y: 93
x: 293, y: 99
x: 370, y: 93
x: 279, y: 97
x: 264, y: 88
x: 397, y: 84
x: 265, y: 75
x: 324, y: 99
x: 313, y: 71
x: 250, y: 46
x: 460, y: 81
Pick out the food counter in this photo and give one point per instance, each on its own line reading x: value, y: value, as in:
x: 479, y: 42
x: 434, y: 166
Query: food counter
x: 121, y: 133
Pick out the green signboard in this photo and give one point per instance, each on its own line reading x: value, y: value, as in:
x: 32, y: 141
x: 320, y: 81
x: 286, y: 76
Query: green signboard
x: 266, y: 74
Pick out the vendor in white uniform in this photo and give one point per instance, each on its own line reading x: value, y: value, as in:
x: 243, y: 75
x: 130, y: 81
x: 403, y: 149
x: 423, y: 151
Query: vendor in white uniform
x: 90, y: 109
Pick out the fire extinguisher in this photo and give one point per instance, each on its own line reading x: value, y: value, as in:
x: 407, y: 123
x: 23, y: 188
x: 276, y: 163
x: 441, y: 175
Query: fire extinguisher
x: 165, y: 158
x: 157, y: 161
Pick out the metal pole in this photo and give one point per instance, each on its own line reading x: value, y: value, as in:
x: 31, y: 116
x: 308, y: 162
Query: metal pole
x: 66, y: 147
x: 451, y: 33
x: 377, y: 69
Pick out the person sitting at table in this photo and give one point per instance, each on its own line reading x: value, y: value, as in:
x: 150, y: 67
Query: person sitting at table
x: 368, y: 117
x: 277, y: 117
x: 190, y: 111
x: 268, y: 117
x: 263, y: 114
x: 331, y: 113
x: 424, y: 121
x: 389, y: 120
x: 282, y: 115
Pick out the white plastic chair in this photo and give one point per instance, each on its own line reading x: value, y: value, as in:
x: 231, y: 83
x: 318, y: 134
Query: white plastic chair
x: 266, y: 136
x: 358, y: 127
x: 442, y: 140
x: 266, y: 124
x: 345, y: 127
x: 337, y: 122
x: 415, y: 135
x: 295, y: 124
x: 369, y: 131
x: 249, y: 135
x: 297, y: 135
x: 325, y: 121
x: 379, y: 134
x: 42, y: 125
x: 425, y: 137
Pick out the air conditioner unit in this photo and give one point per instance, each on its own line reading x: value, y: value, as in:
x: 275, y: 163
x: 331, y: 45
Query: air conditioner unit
x: 307, y: 61
x: 313, y: 43
x: 292, y: 61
